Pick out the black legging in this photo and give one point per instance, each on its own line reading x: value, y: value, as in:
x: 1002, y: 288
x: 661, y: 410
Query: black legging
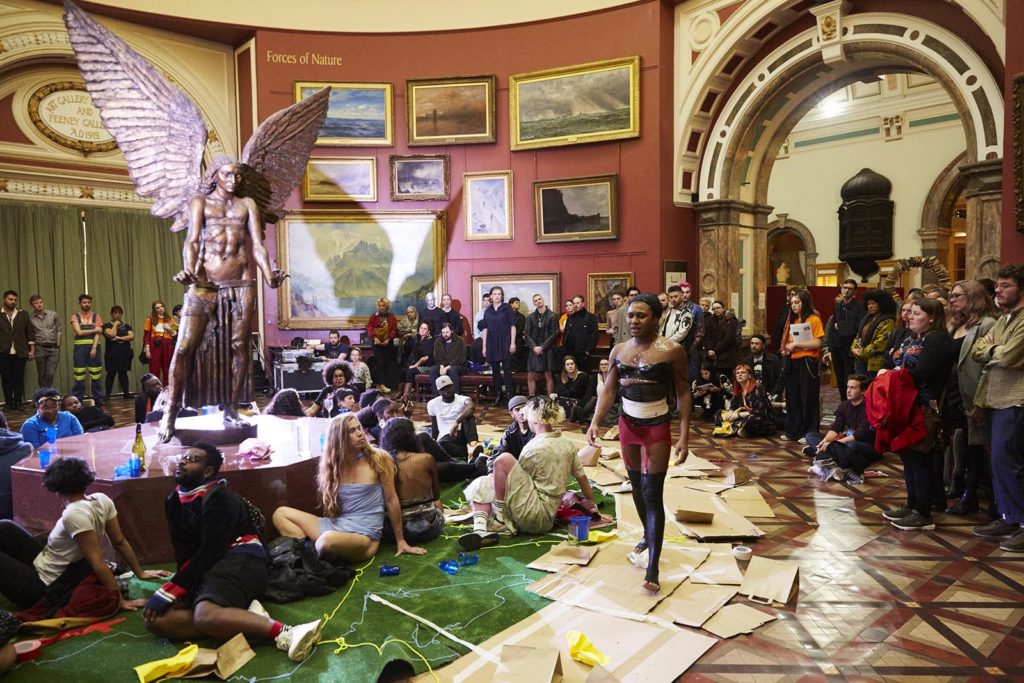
x: 803, y: 390
x: 654, y: 527
x: 449, y: 470
x: 19, y: 581
x: 500, y: 367
x: 919, y: 473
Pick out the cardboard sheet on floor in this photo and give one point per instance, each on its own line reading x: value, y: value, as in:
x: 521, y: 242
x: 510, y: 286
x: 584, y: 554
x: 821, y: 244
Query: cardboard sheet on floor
x: 625, y: 513
x: 694, y: 462
x: 719, y: 568
x: 564, y: 554
x: 727, y: 523
x: 735, y: 619
x: 707, y: 485
x: 748, y: 501
x: 692, y: 604
x: 523, y: 663
x: 734, y: 476
x: 768, y: 580
x: 639, y: 651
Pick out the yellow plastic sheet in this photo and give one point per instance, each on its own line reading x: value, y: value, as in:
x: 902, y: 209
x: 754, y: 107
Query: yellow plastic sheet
x: 583, y: 651
x: 598, y: 536
x: 154, y: 671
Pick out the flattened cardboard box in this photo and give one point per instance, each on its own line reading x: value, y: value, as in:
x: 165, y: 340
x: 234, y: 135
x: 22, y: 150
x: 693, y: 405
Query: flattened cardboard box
x: 727, y: 522
x: 564, y: 554
x: 735, y: 619
x: 748, y: 501
x: 768, y: 581
x: 692, y: 604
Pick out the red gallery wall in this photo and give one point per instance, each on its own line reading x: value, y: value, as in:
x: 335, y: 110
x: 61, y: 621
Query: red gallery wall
x: 652, y: 228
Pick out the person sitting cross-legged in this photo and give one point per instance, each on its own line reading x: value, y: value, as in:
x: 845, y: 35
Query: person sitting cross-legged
x: 849, y: 446
x: 452, y: 423
x: 524, y: 495
x: 516, y: 436
x: 222, y: 565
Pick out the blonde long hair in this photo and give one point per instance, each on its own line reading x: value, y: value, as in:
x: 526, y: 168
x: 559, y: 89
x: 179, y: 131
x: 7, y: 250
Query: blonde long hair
x: 338, y: 459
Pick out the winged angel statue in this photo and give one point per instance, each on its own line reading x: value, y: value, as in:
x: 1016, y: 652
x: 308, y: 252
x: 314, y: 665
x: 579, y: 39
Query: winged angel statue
x: 162, y: 135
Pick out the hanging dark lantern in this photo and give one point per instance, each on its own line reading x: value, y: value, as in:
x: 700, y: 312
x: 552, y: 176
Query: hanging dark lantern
x: 865, y: 222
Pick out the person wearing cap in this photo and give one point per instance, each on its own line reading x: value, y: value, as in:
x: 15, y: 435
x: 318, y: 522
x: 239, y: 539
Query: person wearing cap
x: 516, y: 436
x: 451, y: 419
x: 48, y: 414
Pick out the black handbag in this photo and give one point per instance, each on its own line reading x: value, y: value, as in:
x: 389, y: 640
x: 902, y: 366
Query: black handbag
x: 143, y: 357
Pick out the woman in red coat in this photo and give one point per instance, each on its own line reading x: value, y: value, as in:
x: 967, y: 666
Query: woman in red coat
x: 158, y: 336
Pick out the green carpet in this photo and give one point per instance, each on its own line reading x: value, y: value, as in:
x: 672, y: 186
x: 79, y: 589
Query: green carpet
x: 474, y: 604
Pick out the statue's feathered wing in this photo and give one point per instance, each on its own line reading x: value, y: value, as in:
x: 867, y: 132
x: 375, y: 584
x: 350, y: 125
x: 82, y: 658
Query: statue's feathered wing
x: 157, y: 126
x: 279, y: 149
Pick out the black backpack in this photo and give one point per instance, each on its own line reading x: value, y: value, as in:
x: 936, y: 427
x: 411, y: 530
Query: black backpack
x: 296, y: 571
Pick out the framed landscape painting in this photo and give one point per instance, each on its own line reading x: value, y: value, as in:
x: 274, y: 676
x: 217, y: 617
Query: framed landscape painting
x: 358, y: 114
x: 487, y: 199
x: 450, y: 111
x: 577, y: 209
x: 575, y: 104
x: 341, y: 262
x: 599, y: 293
x: 419, y: 176
x: 345, y: 179
x: 523, y: 286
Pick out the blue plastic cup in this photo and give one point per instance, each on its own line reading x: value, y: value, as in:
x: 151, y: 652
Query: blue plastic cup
x: 122, y: 471
x: 580, y: 527
x: 466, y: 559
x: 390, y: 570
x: 44, y: 458
x: 448, y: 566
x: 51, y: 434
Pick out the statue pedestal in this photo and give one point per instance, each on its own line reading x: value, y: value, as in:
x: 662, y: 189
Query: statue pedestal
x: 211, y: 429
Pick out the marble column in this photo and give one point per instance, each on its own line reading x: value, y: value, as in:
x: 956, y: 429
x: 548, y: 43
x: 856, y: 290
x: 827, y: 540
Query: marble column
x: 984, y: 216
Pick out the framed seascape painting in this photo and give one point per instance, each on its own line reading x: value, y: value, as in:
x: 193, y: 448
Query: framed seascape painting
x: 419, y: 176
x: 345, y: 179
x: 450, y: 111
x: 575, y: 104
x: 358, y: 114
x: 577, y: 209
x: 487, y: 199
x: 599, y: 293
x: 341, y: 262
x: 523, y: 285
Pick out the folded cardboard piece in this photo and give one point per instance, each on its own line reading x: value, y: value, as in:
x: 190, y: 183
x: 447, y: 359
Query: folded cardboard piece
x: 735, y: 619
x: 564, y: 554
x: 768, y: 581
x: 638, y: 651
x: 694, y: 507
x: 603, y: 476
x: 589, y: 455
x: 748, y: 501
x: 524, y: 663
x: 735, y: 476
x: 727, y: 522
x: 692, y: 604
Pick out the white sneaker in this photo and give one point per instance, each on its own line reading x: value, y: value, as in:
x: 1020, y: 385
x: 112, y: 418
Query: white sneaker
x: 256, y: 608
x: 299, y: 641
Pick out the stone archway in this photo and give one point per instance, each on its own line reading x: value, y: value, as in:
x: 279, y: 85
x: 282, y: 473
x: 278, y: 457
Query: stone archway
x: 786, y: 225
x: 934, y: 231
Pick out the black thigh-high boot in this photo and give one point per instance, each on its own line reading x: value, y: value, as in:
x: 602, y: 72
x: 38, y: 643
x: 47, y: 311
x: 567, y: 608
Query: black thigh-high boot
x: 636, y: 481
x: 654, y: 529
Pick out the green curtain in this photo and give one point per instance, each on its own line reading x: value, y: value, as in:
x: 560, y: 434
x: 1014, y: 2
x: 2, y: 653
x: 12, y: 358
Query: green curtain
x: 132, y: 259
x: 42, y: 254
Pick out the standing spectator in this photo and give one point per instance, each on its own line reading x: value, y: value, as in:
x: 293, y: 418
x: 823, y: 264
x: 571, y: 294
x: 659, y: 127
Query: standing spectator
x: 382, y: 328
x: 17, y: 347
x: 451, y: 316
x: 46, y: 325
x: 158, y: 336
x: 765, y: 366
x: 972, y: 316
x: 563, y: 319
x: 499, y: 345
x: 431, y: 314
x: 842, y: 330
x: 88, y: 327
x: 1001, y: 393
x: 48, y: 414
x: 868, y: 347
x: 803, y: 390
x: 541, y: 335
x: 117, y: 356
x: 13, y: 449
x: 693, y: 341
x: 449, y: 357
x: 720, y: 339
x: 926, y: 354
x: 899, y: 331
x: 618, y: 327
x: 580, y: 333
x: 519, y: 357
x: 476, y: 351
x: 677, y: 323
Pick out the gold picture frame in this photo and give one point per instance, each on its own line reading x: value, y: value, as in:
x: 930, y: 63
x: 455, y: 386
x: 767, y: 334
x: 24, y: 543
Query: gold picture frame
x: 340, y: 179
x: 588, y: 209
x: 522, y: 285
x: 451, y: 111
x: 420, y: 177
x: 599, y: 293
x: 340, y: 263
x: 374, y: 126
x: 573, y: 105
x: 487, y: 203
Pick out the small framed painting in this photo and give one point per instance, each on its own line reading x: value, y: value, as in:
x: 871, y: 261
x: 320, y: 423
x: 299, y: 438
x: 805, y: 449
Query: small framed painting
x: 599, y: 292
x: 345, y: 179
x: 577, y: 209
x: 451, y: 111
x: 358, y: 114
x: 419, y: 176
x: 488, y: 205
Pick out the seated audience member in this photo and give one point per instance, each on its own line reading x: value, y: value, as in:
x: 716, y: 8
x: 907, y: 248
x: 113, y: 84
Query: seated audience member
x: 383, y: 410
x: 356, y: 484
x: 343, y: 401
x: 406, y: 329
x: 221, y: 564
x: 416, y: 484
x: 360, y: 371
x: 335, y: 348
x: 749, y: 411
x: 92, y: 418
x: 45, y: 579
x: 707, y: 393
x: 764, y: 365
x: 597, y: 380
x: 48, y: 414
x: 873, y: 331
x: 848, y: 447
x: 336, y: 374
x: 451, y: 419
x: 369, y: 397
x: 572, y: 388
x: 9, y: 627
x: 368, y: 421
x: 13, y: 449
x: 145, y: 400
x: 418, y: 360
x: 523, y: 495
x: 285, y: 403
x: 517, y: 434
x: 449, y: 357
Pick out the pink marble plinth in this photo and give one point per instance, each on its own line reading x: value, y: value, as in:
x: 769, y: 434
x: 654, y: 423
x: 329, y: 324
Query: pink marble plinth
x: 288, y: 478
x: 211, y: 429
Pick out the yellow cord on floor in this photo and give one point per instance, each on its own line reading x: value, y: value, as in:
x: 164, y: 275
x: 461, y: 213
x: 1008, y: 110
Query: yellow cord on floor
x: 343, y: 644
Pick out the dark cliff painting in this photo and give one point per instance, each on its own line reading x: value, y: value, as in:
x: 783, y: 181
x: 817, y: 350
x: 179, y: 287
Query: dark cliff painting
x: 577, y: 208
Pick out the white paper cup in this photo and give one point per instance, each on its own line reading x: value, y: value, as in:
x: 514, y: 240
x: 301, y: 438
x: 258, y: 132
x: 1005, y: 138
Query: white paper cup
x: 742, y: 552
